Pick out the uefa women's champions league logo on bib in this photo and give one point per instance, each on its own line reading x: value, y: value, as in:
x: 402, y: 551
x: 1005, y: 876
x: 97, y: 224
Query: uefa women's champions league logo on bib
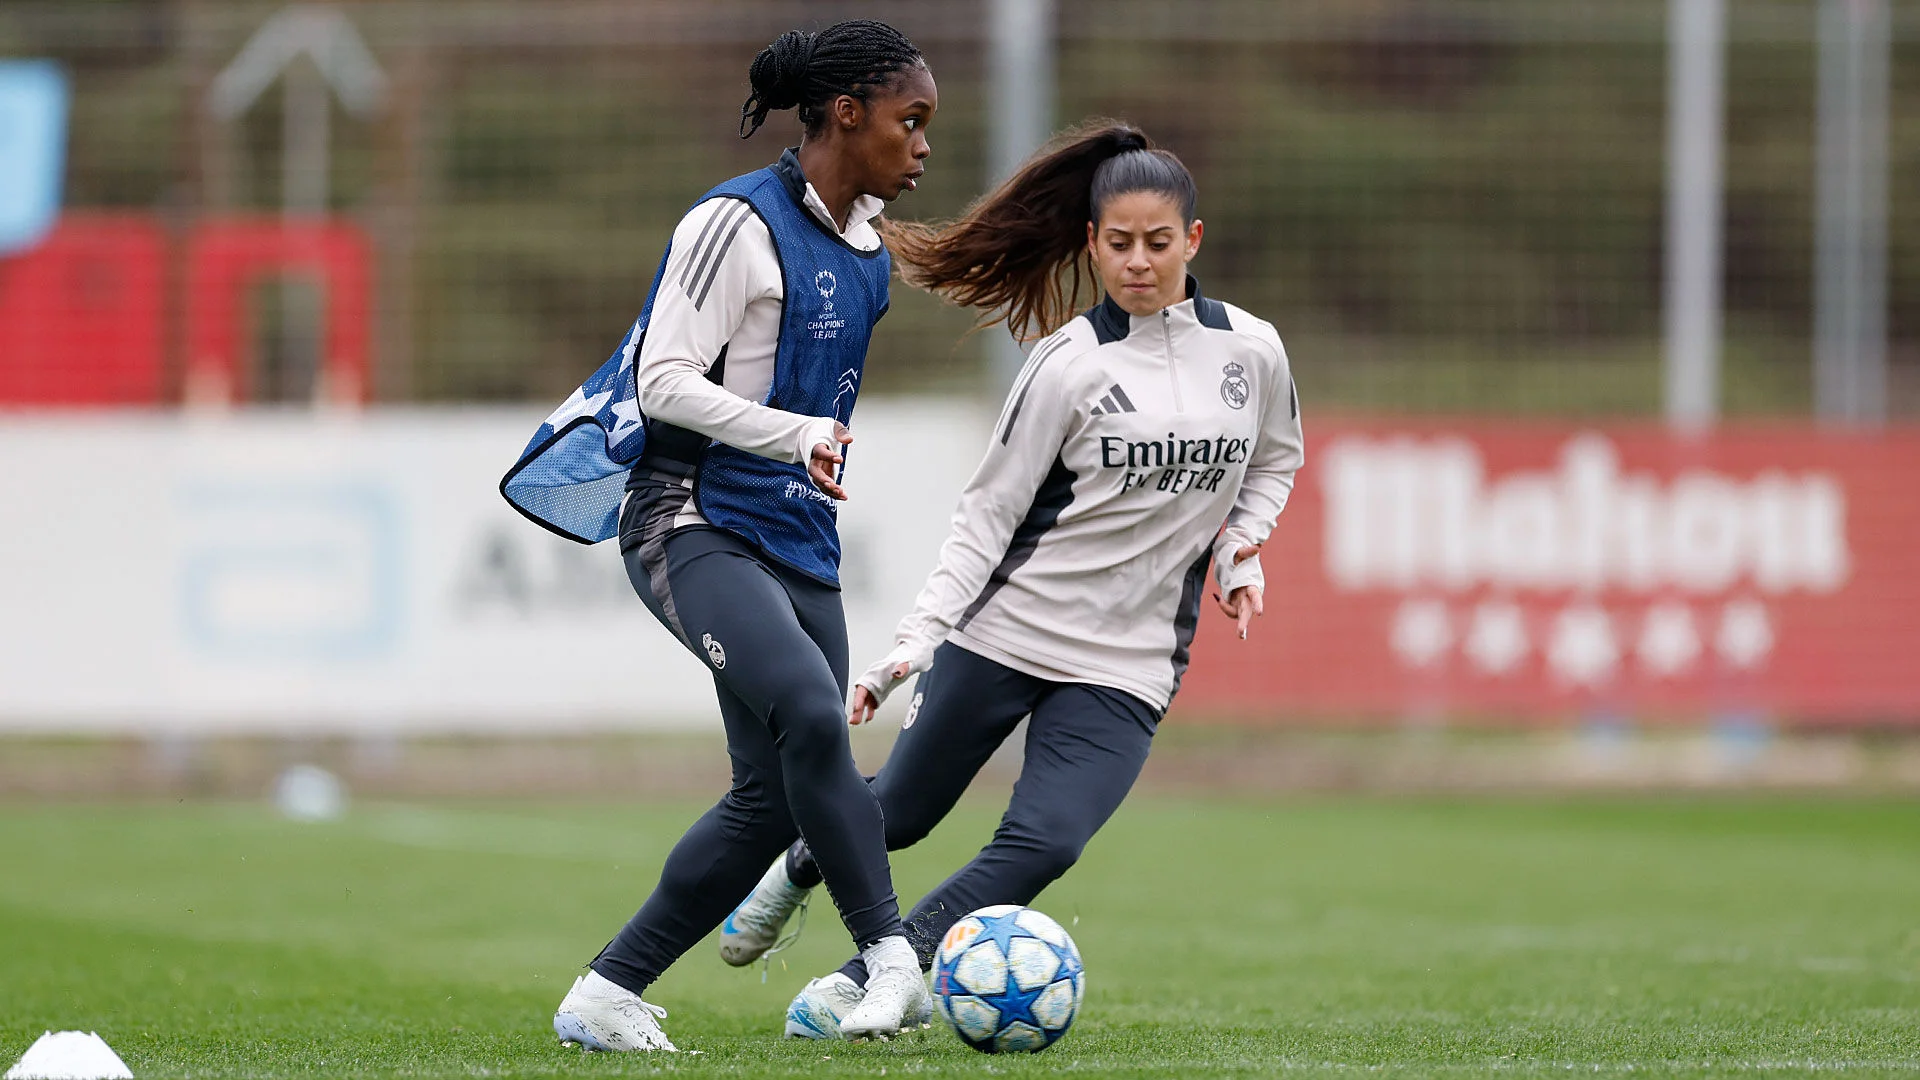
x: 1234, y: 389
x: 827, y: 325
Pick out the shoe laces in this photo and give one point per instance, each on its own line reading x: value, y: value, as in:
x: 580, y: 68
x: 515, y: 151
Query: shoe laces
x: 649, y: 1030
x: 634, y: 1006
x: 761, y: 919
x: 893, y: 980
x: 844, y: 989
x: 795, y: 923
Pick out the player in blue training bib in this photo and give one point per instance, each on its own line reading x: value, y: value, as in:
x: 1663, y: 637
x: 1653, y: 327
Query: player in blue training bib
x: 710, y: 444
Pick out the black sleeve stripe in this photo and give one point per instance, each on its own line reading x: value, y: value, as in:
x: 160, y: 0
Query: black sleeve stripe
x: 719, y: 257
x: 1026, y: 384
x: 700, y: 245
x: 726, y: 219
x: 1186, y: 617
x: 1038, y: 357
x: 1026, y: 374
x: 1052, y: 498
x: 1034, y: 363
x: 1293, y: 395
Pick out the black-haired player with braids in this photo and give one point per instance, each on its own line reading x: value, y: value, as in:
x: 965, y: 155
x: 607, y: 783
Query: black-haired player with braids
x: 1152, y: 436
x: 710, y: 443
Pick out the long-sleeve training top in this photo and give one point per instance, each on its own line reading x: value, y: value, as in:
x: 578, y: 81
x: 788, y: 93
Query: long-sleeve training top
x: 732, y: 299
x: 1079, y: 549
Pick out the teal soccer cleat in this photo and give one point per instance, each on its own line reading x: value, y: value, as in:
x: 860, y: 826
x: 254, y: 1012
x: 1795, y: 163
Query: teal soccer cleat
x: 753, y: 930
x: 818, y: 1007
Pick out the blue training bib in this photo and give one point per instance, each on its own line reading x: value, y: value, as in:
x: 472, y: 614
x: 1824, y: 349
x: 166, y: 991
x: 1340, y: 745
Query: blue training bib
x: 573, y: 472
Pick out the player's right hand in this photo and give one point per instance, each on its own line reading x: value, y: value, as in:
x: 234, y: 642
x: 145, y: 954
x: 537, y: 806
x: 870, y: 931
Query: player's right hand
x: 826, y: 460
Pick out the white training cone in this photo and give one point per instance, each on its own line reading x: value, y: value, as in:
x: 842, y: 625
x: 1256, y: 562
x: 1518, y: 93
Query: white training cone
x: 70, y: 1055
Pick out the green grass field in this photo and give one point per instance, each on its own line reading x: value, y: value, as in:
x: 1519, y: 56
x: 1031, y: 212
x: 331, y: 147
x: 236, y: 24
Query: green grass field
x: 1501, y: 938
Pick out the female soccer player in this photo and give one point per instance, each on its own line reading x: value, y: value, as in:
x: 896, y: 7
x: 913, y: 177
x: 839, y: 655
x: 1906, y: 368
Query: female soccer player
x: 1152, y: 435
x: 746, y: 360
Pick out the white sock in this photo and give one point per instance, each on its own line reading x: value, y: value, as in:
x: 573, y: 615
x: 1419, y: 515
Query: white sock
x: 601, y: 986
x: 890, y: 952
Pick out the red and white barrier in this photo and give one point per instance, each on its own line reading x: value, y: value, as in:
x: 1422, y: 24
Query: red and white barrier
x: 1531, y: 570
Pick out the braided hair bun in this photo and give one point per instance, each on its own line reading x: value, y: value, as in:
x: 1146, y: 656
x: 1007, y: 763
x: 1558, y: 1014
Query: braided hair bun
x: 779, y: 74
x: 805, y: 71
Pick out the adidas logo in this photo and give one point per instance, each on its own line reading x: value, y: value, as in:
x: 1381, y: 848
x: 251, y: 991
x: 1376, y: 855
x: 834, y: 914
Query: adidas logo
x: 1113, y: 401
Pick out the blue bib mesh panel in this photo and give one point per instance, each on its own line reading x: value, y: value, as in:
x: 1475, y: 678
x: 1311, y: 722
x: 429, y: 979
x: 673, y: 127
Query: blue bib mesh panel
x: 569, y: 487
x: 573, y: 473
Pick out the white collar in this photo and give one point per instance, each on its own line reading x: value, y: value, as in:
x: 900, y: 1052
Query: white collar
x: 864, y: 209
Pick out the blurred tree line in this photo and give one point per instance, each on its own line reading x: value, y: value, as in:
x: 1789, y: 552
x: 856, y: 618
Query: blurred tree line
x: 1442, y: 206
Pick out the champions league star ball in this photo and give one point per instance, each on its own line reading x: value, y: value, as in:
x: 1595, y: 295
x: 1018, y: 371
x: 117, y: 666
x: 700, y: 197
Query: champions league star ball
x: 1008, y: 979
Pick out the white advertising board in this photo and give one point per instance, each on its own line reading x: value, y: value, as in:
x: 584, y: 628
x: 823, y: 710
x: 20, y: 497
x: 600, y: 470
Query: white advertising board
x: 272, y: 572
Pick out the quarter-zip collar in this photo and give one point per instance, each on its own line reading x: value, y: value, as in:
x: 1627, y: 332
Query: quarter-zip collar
x: 1111, y: 322
x: 865, y: 208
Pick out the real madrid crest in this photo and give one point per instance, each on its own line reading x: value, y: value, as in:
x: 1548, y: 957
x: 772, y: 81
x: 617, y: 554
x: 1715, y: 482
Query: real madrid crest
x: 1234, y: 389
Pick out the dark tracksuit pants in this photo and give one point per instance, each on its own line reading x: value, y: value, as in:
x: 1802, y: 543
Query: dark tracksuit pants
x: 776, y: 642
x: 1085, y: 748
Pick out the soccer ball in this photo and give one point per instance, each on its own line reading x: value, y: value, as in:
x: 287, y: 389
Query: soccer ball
x: 1008, y: 979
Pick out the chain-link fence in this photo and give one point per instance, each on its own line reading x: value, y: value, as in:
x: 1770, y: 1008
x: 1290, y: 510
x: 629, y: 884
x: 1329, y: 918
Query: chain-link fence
x: 1443, y: 206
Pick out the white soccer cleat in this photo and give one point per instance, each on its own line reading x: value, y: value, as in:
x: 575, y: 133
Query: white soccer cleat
x: 753, y: 930
x: 896, y: 1000
x: 602, y: 1016
x: 819, y: 1006
x: 921, y: 1017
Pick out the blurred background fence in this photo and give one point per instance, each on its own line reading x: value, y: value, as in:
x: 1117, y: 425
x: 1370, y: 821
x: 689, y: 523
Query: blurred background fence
x: 1501, y: 238
x: 1445, y: 206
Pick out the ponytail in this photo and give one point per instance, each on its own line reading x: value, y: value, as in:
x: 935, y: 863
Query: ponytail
x: 1017, y: 252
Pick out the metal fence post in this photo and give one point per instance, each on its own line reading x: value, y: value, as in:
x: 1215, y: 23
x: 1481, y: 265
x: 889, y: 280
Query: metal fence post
x: 1020, y: 117
x: 1696, y: 63
x: 1850, y: 213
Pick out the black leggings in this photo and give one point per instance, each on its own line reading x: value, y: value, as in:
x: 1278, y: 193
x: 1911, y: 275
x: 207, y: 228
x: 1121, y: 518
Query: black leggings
x: 1085, y: 748
x: 776, y: 641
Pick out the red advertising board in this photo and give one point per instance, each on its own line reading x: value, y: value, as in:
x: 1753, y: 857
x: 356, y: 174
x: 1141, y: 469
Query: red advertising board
x: 83, y: 314
x: 1536, y: 571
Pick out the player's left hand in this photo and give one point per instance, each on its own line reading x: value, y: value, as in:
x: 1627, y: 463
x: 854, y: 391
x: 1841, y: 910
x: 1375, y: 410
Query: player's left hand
x: 1245, y: 603
x: 865, y: 704
x: 1242, y: 606
x: 826, y: 459
x: 874, y: 684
